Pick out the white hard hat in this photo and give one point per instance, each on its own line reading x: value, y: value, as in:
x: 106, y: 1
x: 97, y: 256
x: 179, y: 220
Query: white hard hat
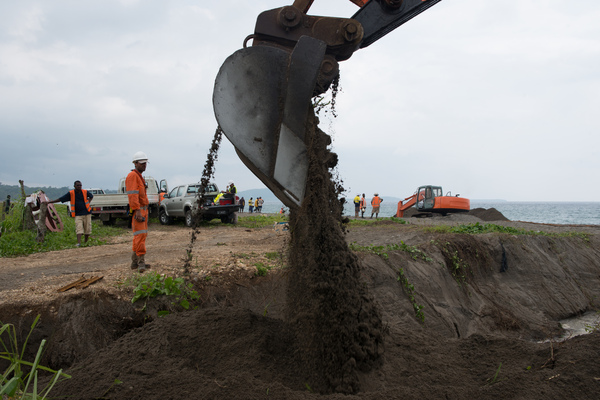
x: 230, y: 183
x: 140, y: 156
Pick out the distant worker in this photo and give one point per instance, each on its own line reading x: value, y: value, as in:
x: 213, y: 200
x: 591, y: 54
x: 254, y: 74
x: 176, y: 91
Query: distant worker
x: 7, y: 204
x: 242, y: 204
x: 231, y: 188
x: 260, y: 204
x: 256, y: 209
x: 251, y: 205
x: 375, y: 202
x: 80, y: 209
x: 282, y: 211
x: 135, y: 185
x: 363, y: 206
x: 356, y: 205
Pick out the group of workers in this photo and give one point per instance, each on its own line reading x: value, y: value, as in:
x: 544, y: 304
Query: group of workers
x: 360, y: 205
x: 135, y: 186
x: 255, y: 205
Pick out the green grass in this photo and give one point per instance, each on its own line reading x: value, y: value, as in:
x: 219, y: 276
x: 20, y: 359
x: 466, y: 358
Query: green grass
x: 410, y: 291
x: 378, y: 221
x: 20, y: 379
x: 478, y: 228
x: 260, y: 221
x: 16, y: 242
x: 382, y: 251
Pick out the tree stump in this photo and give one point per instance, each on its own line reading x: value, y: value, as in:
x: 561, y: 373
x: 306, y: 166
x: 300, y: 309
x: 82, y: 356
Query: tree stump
x: 41, y: 224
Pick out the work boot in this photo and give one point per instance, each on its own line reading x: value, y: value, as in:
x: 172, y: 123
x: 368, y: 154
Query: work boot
x: 142, y: 267
x: 134, y: 260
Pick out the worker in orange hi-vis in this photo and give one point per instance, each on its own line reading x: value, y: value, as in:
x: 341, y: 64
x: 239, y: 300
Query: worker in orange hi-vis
x: 375, y: 202
x: 135, y: 185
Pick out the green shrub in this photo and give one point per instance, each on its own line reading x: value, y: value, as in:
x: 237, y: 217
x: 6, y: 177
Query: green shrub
x: 17, y: 242
x: 153, y: 284
x: 20, y: 379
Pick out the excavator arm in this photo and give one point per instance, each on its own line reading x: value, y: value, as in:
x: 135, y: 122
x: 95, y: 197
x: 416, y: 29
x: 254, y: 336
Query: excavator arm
x: 262, y: 94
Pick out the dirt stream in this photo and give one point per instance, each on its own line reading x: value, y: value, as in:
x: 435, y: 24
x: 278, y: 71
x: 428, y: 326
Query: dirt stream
x: 325, y: 322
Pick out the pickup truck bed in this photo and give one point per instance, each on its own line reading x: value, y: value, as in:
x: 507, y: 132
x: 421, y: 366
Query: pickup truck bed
x: 182, y: 202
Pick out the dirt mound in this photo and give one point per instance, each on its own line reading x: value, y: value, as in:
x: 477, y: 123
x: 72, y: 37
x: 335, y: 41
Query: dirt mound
x: 488, y: 214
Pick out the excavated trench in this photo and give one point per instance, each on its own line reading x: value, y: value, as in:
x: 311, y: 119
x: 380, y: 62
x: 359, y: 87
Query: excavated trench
x: 512, y: 291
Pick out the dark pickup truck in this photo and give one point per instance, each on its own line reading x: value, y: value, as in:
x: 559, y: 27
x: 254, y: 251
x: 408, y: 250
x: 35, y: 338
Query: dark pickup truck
x: 182, y: 202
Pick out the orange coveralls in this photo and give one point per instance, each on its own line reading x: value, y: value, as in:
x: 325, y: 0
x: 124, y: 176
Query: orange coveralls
x: 135, y: 185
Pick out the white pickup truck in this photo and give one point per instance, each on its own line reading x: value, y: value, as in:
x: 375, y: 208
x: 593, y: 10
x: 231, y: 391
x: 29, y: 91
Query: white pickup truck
x: 111, y: 206
x: 182, y: 202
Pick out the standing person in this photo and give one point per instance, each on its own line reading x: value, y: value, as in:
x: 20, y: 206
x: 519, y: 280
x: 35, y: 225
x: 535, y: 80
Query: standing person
x: 375, y: 202
x: 256, y: 205
x: 250, y: 205
x: 363, y: 206
x: 356, y: 205
x: 7, y: 204
x: 260, y: 204
x: 80, y: 209
x: 135, y: 185
x: 242, y: 204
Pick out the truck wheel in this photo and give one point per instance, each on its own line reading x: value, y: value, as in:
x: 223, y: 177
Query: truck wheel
x: 189, y: 219
x: 163, y: 217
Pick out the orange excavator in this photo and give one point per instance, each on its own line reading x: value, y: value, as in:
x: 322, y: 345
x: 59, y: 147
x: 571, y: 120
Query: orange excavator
x: 430, y: 199
x: 262, y: 93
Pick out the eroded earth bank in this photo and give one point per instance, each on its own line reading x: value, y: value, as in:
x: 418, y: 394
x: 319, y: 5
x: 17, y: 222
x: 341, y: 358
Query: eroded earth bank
x: 490, y: 307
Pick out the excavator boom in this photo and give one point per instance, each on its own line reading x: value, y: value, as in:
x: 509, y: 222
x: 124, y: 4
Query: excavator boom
x: 262, y: 94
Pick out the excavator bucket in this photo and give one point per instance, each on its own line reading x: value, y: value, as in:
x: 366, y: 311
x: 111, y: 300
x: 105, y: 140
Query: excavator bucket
x: 262, y: 95
x: 262, y: 100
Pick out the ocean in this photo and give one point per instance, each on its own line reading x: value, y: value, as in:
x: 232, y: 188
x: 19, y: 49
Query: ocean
x: 579, y: 213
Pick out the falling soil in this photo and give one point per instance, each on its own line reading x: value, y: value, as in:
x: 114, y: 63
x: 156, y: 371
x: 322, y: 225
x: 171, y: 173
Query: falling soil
x: 337, y: 326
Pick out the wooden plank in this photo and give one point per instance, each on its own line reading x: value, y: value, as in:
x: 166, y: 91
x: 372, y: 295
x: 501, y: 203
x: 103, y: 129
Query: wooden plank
x: 81, y: 283
x: 72, y: 285
x: 89, y: 282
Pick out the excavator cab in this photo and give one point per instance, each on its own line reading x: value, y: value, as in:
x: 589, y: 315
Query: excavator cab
x: 262, y: 94
x: 426, y: 196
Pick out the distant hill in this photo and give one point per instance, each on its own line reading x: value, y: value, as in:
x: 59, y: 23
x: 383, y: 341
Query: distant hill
x: 266, y: 194
x: 15, y: 191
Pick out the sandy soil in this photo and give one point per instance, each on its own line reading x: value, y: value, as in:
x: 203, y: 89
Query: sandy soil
x: 491, y: 307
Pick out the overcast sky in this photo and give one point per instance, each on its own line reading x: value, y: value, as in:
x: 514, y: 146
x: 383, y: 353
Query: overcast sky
x: 489, y: 99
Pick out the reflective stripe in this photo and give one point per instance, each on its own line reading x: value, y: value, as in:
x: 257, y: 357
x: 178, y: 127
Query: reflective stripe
x: 133, y: 191
x: 140, y: 232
